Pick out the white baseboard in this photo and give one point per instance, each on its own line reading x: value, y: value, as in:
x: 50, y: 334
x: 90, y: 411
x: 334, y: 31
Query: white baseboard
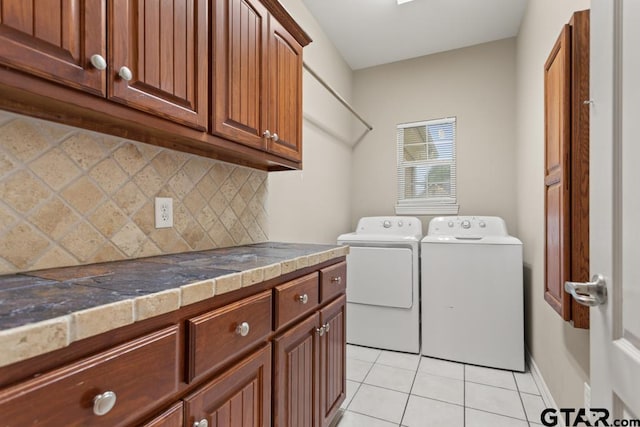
x: 539, y: 380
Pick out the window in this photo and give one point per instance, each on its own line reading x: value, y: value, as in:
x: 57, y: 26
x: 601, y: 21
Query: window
x: 427, y: 167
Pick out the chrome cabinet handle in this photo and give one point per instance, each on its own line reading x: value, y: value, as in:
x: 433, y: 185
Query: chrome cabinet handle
x: 275, y: 137
x: 125, y: 73
x: 242, y: 329
x: 591, y: 293
x: 327, y: 327
x: 337, y: 280
x: 320, y: 330
x: 202, y: 423
x: 303, y: 298
x: 98, y: 62
x: 266, y: 134
x: 103, y: 403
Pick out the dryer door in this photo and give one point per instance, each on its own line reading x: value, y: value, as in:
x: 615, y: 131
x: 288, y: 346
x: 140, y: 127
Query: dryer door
x: 380, y: 276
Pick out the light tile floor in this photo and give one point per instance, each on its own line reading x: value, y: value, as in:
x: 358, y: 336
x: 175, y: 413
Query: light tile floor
x: 386, y: 388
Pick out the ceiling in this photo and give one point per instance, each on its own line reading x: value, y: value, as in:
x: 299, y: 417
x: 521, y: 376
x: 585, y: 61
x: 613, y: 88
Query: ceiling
x: 374, y: 32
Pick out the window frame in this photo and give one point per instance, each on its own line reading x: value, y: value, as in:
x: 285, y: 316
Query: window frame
x: 427, y: 205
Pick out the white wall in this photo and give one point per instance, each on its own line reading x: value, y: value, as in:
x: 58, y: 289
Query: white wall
x: 561, y: 352
x: 313, y: 205
x: 477, y: 85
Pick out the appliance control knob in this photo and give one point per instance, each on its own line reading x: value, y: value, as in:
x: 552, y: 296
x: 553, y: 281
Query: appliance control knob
x: 466, y: 224
x: 482, y: 224
x: 450, y: 224
x: 386, y: 224
x: 400, y: 223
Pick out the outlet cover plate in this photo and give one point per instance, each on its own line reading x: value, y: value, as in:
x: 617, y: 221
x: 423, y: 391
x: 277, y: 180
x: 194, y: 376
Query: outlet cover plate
x: 164, y: 212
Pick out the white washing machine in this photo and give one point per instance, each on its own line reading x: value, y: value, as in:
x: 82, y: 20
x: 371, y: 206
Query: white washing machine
x: 383, y: 283
x: 472, y: 292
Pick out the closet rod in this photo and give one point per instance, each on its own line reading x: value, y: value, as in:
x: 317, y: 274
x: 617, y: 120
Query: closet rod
x: 336, y: 95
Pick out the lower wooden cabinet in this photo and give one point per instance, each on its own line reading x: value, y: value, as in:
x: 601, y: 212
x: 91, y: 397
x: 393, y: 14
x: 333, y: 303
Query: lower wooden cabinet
x: 333, y: 376
x: 232, y: 364
x: 296, y: 371
x: 239, y: 397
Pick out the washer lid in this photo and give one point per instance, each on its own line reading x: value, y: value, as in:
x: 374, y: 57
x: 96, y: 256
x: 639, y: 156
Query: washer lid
x: 374, y: 238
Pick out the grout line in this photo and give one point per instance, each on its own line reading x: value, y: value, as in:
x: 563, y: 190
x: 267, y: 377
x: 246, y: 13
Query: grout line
x: 524, y: 409
x: 464, y: 395
x: 375, y: 418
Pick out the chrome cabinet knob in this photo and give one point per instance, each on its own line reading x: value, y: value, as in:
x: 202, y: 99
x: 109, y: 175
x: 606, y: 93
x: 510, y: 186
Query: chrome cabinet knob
x: 242, y: 329
x: 98, y: 62
x: 337, y: 280
x: 275, y: 137
x: 103, y: 403
x: 303, y: 298
x: 266, y: 134
x: 202, y: 423
x: 320, y: 330
x: 326, y: 327
x: 125, y: 73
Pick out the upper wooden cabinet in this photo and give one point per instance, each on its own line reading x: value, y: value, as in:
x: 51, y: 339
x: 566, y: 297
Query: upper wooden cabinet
x: 230, y: 71
x: 55, y: 39
x: 257, y: 79
x: 158, y: 57
x: 566, y: 173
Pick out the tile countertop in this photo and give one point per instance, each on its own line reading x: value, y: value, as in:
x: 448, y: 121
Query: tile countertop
x: 46, y: 310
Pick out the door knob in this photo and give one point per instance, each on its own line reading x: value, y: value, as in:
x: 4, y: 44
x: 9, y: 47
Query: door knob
x: 98, y: 62
x: 591, y: 293
x: 275, y: 137
x: 125, y: 73
x: 266, y: 134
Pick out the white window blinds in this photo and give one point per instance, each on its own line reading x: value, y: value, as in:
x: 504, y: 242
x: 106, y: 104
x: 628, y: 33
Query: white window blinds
x: 427, y: 167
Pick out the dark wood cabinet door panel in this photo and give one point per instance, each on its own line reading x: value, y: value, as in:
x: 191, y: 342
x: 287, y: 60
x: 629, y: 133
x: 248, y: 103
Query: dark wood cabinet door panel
x: 296, y: 375
x: 172, y: 417
x: 285, y: 94
x: 239, y: 71
x: 140, y: 373
x: 557, y: 80
x: 240, y: 397
x: 333, y: 360
x: 214, y: 337
x: 164, y: 45
x: 55, y: 39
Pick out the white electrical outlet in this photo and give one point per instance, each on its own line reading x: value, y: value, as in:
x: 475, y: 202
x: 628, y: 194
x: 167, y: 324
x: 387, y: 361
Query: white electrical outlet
x: 164, y: 212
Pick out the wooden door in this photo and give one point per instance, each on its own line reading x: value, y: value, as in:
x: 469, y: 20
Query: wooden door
x: 239, y: 71
x: 164, y: 46
x: 239, y: 397
x: 296, y: 370
x: 333, y: 346
x: 55, y: 39
x: 557, y: 105
x: 285, y: 93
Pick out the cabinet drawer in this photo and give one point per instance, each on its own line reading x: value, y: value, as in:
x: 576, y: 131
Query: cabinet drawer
x: 220, y: 335
x: 141, y: 373
x: 172, y: 417
x: 333, y: 281
x: 295, y: 298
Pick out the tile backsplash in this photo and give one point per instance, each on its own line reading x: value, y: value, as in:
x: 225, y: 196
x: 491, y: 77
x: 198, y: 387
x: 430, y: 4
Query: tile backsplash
x: 70, y: 197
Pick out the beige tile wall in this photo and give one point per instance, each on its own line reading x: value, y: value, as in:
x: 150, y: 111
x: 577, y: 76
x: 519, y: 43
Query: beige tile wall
x: 70, y: 197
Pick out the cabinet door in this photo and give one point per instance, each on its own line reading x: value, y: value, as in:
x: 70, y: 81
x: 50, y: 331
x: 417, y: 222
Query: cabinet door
x: 557, y: 105
x: 55, y: 39
x: 239, y: 397
x: 163, y: 44
x: 285, y: 93
x: 296, y: 382
x: 172, y: 417
x: 333, y: 344
x: 239, y: 71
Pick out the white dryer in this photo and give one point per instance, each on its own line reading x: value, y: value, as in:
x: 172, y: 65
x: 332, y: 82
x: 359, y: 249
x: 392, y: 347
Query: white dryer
x: 383, y: 277
x: 472, y: 292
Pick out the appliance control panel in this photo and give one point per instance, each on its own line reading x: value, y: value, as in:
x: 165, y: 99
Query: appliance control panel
x: 467, y: 226
x: 392, y: 225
